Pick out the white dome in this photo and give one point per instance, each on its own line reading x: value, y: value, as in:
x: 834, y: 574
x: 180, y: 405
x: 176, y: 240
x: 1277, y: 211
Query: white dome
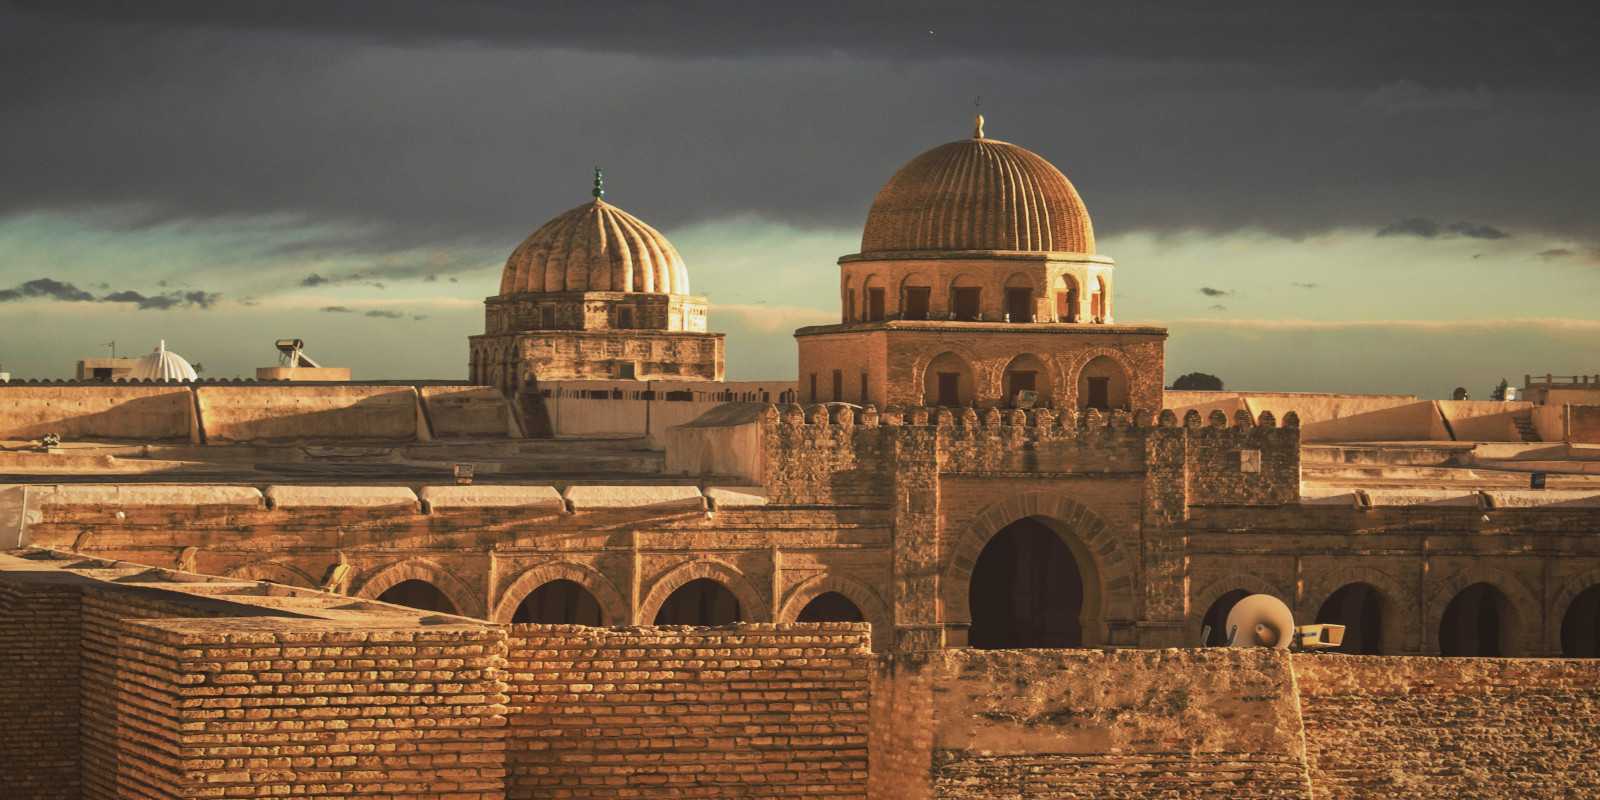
x: 162, y: 365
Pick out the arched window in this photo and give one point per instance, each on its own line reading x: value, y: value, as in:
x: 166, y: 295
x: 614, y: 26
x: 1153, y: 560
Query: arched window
x: 1026, y: 373
x: 830, y: 607
x: 1358, y: 607
x: 1103, y: 384
x: 702, y: 601
x: 1214, y: 625
x: 966, y: 298
x: 1099, y: 300
x: 1478, y: 622
x: 916, y: 297
x: 420, y: 595
x: 560, y: 602
x: 1026, y: 590
x: 848, y: 301
x: 947, y: 382
x: 1067, y: 300
x: 1580, y: 627
x: 1019, y: 298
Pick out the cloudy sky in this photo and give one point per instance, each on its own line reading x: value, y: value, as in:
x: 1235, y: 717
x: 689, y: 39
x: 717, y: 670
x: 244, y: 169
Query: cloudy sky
x: 1394, y: 200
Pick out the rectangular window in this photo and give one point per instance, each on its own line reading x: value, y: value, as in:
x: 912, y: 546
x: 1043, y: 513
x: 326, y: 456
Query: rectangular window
x: 949, y: 388
x: 1019, y: 381
x: 966, y: 303
x: 547, y: 317
x: 625, y: 371
x: 1100, y: 393
x: 917, y: 302
x: 1019, y: 305
x: 863, y: 388
x: 874, y: 305
x: 838, y: 386
x: 625, y: 318
x: 813, y: 387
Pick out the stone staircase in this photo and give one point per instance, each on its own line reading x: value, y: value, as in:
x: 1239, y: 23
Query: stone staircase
x: 1524, y: 422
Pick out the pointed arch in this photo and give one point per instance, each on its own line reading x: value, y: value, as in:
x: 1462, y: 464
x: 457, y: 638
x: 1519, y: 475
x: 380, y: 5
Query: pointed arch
x: 1201, y: 601
x: 1401, y: 633
x: 1107, y: 569
x: 272, y: 571
x: 613, y: 607
x: 1561, y: 602
x: 752, y: 607
x: 468, y: 603
x: 1527, y: 636
x: 872, y: 606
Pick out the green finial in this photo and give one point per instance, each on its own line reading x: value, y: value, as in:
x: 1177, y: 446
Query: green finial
x: 599, y: 183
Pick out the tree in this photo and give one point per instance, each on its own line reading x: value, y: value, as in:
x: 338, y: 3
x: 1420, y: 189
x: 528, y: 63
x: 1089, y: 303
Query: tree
x: 1198, y: 381
x: 1499, y: 392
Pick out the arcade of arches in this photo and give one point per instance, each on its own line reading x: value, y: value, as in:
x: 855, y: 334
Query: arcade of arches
x: 701, y: 601
x: 418, y: 594
x: 560, y: 602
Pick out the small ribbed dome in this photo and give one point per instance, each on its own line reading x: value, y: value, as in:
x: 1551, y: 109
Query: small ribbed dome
x: 162, y: 365
x: 978, y: 194
x: 595, y: 247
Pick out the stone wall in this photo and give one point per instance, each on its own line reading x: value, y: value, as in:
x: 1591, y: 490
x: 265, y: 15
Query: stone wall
x: 1583, y: 424
x: 467, y: 411
x: 1379, y: 727
x: 743, y: 711
x: 1082, y: 723
x: 279, y: 412
x: 135, y: 412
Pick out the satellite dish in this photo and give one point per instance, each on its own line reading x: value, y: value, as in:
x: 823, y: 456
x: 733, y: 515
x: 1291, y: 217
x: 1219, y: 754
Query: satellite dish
x: 1260, y: 620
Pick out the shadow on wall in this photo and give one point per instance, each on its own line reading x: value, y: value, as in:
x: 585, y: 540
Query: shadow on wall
x: 143, y: 413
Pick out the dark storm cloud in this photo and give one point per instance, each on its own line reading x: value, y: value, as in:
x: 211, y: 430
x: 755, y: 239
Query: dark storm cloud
x: 337, y: 310
x: 408, y: 124
x: 51, y: 289
x: 164, y: 301
x: 1213, y: 292
x: 44, y: 288
x: 379, y: 313
x: 1424, y: 228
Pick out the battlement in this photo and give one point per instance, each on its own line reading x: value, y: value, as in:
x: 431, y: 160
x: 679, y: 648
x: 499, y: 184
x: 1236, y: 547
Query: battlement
x: 844, y: 453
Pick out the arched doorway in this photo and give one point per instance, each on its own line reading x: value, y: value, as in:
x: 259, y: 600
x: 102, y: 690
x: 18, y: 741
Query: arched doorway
x: 1358, y: 607
x: 701, y: 601
x: 1026, y: 590
x: 830, y: 607
x: 1478, y: 622
x: 1026, y: 372
x: 1580, y: 627
x: 1103, y: 384
x: 560, y: 602
x: 420, y: 595
x: 947, y: 381
x: 1214, y: 625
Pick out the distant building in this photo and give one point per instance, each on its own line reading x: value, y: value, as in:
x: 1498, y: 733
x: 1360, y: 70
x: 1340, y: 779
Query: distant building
x: 105, y: 369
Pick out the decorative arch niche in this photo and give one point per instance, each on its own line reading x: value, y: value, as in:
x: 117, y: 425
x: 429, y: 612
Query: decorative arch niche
x: 948, y: 381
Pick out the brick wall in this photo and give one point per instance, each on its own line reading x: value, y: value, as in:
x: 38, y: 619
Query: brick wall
x: 1085, y: 723
x: 1379, y: 727
x: 39, y: 690
x: 900, y: 740
x: 743, y: 711
x: 268, y: 708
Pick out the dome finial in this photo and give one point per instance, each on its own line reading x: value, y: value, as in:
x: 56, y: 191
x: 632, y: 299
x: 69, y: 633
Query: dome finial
x: 977, y: 127
x: 599, y: 183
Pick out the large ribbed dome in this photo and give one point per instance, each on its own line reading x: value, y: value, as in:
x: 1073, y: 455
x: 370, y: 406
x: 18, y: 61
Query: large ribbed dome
x: 595, y: 247
x: 978, y: 194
